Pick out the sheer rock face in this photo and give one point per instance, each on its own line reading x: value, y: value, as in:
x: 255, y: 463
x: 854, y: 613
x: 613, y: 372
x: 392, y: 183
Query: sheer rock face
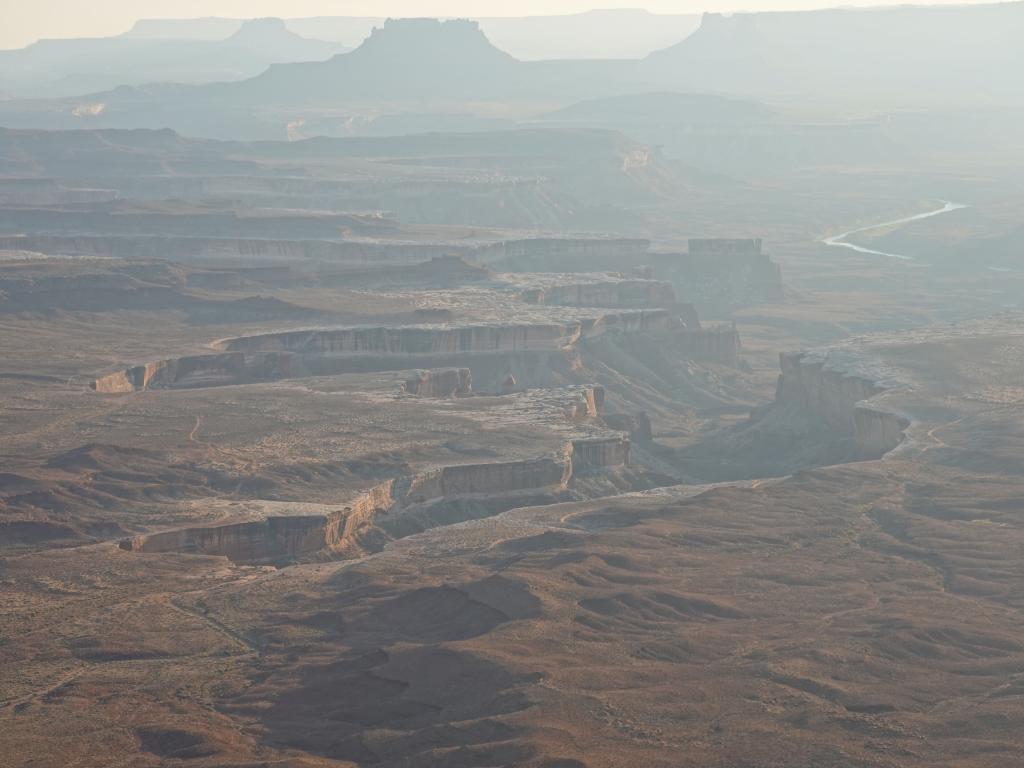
x: 842, y: 399
x: 528, y: 353
x: 597, y: 453
x: 595, y: 401
x: 714, y: 273
x: 396, y: 508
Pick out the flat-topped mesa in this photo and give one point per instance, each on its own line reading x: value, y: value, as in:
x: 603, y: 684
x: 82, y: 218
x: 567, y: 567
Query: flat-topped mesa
x: 272, y: 540
x: 737, y: 267
x: 441, y: 382
x: 412, y: 341
x: 716, y: 274
x: 523, y: 354
x: 397, y: 508
x: 591, y: 406
x: 235, y: 250
x: 844, y: 399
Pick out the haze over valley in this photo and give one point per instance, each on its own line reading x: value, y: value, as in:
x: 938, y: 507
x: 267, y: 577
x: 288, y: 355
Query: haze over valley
x: 583, y: 390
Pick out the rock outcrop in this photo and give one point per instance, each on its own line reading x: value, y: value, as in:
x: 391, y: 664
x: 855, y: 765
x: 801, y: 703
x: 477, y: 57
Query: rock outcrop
x: 500, y: 358
x: 272, y: 540
x: 714, y: 274
x: 397, y: 508
x: 231, y: 250
x: 600, y: 453
x: 202, y: 371
x: 841, y: 397
x: 444, y: 382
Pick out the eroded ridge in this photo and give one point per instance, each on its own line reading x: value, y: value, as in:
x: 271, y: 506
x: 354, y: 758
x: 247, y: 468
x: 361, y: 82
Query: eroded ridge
x: 407, y: 505
x: 845, y: 398
x: 491, y: 352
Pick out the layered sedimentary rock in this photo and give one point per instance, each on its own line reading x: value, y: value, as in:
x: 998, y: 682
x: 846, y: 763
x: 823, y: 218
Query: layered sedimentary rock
x: 715, y: 274
x: 499, y: 357
x: 599, y: 453
x: 411, y: 341
x: 186, y: 248
x: 626, y: 294
x: 444, y: 382
x: 202, y: 371
x: 541, y: 252
x: 490, y: 478
x: 840, y: 395
x: 274, y: 539
x: 396, y: 508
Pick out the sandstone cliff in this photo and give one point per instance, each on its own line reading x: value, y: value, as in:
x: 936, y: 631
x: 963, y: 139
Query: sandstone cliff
x: 530, y: 354
x: 443, y: 382
x: 400, y: 507
x: 841, y: 397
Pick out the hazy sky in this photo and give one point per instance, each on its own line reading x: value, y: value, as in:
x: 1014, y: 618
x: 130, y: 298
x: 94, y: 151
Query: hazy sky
x: 23, y: 21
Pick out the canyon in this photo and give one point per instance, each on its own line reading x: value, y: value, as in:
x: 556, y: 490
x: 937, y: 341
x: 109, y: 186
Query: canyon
x: 423, y: 406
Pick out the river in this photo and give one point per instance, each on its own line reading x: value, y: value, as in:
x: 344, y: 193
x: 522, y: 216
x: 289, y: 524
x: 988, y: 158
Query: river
x: 840, y: 240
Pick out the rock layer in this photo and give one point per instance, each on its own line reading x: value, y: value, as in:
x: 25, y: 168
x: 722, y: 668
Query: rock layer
x: 528, y: 353
x: 845, y: 400
x: 397, y: 508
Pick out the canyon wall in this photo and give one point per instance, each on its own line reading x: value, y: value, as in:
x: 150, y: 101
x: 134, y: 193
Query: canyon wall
x: 719, y: 280
x: 841, y: 397
x: 411, y: 340
x: 202, y: 371
x: 274, y: 539
x: 231, y: 250
x: 367, y: 252
x: 615, y: 294
x: 524, y: 354
x: 395, y: 508
x: 715, y: 274
x: 718, y: 344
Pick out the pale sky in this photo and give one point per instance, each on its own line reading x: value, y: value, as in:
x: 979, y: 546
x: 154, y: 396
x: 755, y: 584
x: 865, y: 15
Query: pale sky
x: 24, y: 21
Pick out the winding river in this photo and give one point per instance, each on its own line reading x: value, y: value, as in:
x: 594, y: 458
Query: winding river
x: 840, y: 240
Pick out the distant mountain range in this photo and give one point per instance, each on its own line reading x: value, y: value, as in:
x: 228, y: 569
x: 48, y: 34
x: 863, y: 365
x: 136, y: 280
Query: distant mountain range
x: 56, y: 68
x: 628, y: 33
x: 881, y: 57
x: 426, y: 74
